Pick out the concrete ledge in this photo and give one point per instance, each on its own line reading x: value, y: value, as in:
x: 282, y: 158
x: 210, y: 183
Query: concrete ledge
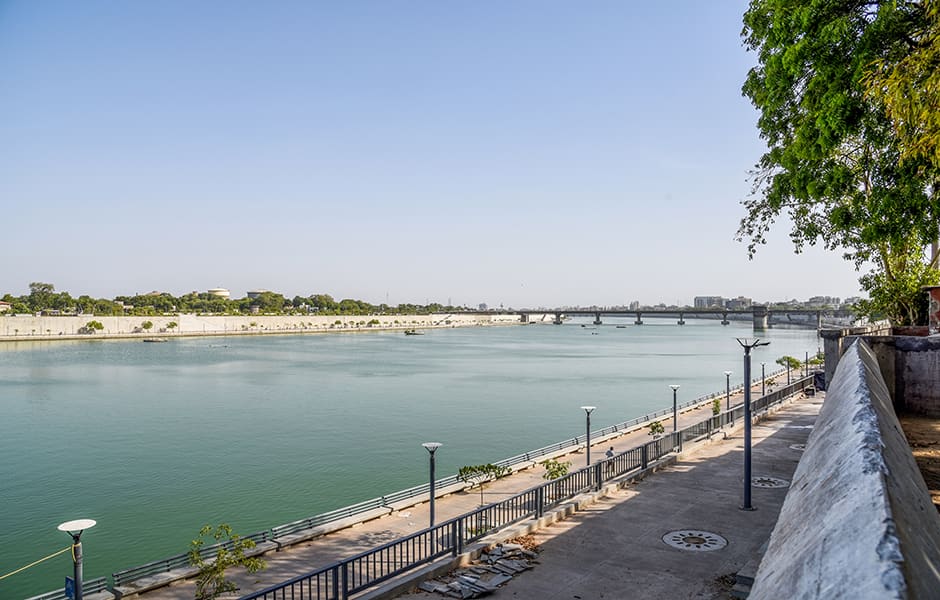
x: 857, y: 521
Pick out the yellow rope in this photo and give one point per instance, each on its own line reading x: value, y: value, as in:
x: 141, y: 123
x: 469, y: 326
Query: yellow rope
x: 33, y: 564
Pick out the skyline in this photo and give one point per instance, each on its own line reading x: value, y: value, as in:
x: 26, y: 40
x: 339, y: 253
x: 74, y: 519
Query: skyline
x: 530, y: 154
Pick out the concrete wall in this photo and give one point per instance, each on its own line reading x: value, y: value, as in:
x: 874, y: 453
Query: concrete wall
x: 31, y: 327
x: 858, y: 521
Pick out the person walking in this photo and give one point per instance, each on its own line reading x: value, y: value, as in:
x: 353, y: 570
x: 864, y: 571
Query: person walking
x: 609, y: 454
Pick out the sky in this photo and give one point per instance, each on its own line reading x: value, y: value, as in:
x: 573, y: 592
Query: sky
x: 525, y: 154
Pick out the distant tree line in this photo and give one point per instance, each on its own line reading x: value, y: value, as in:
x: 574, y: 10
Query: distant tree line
x: 43, y: 298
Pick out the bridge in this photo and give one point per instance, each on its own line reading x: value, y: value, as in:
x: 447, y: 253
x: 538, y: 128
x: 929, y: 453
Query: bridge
x: 760, y: 314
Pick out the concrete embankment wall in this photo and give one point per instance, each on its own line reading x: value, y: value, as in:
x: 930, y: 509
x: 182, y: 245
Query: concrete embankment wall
x: 20, y: 327
x: 858, y: 521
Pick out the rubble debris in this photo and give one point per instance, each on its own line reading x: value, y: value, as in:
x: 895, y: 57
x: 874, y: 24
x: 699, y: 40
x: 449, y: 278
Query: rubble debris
x: 495, y: 567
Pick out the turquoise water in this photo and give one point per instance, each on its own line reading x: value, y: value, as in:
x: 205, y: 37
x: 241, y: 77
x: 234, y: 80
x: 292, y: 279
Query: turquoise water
x: 154, y: 440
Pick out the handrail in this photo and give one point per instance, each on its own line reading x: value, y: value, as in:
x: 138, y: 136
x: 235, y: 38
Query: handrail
x: 371, y: 567
x: 90, y: 586
x: 182, y: 560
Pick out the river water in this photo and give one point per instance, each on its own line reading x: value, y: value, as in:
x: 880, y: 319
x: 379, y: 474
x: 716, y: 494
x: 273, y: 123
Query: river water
x: 155, y: 440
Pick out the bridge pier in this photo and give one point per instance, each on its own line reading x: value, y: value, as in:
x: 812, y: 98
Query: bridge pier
x: 761, y: 317
x: 597, y: 319
x: 818, y: 320
x: 557, y: 320
x: 681, y: 320
x: 639, y: 319
x: 724, y: 319
x: 525, y: 318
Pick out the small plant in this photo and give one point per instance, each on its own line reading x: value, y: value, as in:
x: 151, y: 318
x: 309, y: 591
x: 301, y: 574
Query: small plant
x: 211, y: 582
x: 770, y: 381
x: 172, y: 325
x: 481, y: 474
x: 716, y: 406
x: 147, y: 325
x: 656, y: 428
x: 554, y: 469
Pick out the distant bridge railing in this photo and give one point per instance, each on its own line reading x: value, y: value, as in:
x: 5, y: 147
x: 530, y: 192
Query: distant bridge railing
x: 365, y: 570
x: 281, y: 533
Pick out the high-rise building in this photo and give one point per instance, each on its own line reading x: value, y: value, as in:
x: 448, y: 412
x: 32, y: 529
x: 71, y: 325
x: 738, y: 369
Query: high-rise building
x: 709, y: 302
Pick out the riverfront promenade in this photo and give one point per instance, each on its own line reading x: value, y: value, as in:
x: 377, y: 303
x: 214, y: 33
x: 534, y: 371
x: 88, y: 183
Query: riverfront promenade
x: 322, y: 551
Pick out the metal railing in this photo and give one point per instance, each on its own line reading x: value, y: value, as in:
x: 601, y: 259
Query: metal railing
x: 91, y: 586
x: 341, y: 579
x: 180, y: 561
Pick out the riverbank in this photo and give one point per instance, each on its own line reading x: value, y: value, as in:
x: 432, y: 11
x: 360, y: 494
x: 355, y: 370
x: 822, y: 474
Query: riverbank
x: 19, y: 328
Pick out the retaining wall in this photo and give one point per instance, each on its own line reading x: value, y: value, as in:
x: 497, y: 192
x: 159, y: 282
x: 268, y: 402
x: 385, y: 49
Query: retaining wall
x: 28, y: 327
x: 858, y: 521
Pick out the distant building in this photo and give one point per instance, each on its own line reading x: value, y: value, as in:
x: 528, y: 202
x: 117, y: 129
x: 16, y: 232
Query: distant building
x: 219, y: 292
x: 253, y: 294
x: 5, y: 306
x: 483, y: 306
x: 635, y: 305
x: 738, y: 303
x: 709, y: 302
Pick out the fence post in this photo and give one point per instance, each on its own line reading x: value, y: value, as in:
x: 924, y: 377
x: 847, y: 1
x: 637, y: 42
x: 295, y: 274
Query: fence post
x: 345, y: 576
x: 540, y: 502
x: 644, y: 456
x: 454, y: 539
x: 336, y: 582
x: 460, y: 534
x: 597, y: 476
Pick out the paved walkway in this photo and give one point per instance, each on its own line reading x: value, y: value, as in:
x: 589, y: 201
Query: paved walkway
x: 306, y: 557
x: 614, y: 549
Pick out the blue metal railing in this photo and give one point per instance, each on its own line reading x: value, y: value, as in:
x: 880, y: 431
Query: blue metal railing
x: 341, y: 579
x: 277, y: 532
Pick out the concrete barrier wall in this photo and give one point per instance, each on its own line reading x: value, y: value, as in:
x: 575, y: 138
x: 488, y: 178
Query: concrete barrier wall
x: 858, y: 521
x: 19, y: 327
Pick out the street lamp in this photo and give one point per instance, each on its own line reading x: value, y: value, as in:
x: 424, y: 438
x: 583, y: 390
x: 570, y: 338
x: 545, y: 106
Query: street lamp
x: 728, y: 389
x: 806, y: 364
x: 431, y: 447
x: 587, y: 413
x: 675, y: 388
x: 75, y: 529
x: 747, y: 417
x: 763, y: 380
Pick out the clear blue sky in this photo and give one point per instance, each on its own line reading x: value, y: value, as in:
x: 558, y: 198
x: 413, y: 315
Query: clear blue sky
x: 525, y: 153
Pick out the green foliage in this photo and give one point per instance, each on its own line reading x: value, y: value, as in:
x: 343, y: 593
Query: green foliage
x: 554, y: 469
x: 789, y: 361
x: 94, y: 326
x: 211, y: 581
x: 833, y: 166
x: 479, y: 475
x: 656, y: 428
x: 899, y: 298
x: 147, y: 325
x: 172, y: 325
x: 907, y: 82
x: 716, y: 406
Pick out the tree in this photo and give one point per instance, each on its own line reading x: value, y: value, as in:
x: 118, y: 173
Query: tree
x: 908, y: 84
x: 147, y: 325
x: 229, y: 552
x: 479, y: 475
x: 832, y: 165
x: 656, y: 428
x: 789, y: 362
x: 716, y: 406
x: 554, y: 469
x: 40, y: 295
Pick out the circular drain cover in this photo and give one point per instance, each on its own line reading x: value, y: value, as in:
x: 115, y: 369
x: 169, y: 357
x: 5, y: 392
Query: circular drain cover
x: 769, y: 482
x: 695, y: 540
x: 799, y: 447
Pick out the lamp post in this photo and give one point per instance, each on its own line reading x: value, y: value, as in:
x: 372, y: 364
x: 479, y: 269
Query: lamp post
x: 431, y: 447
x: 747, y: 418
x: 728, y: 389
x: 675, y: 414
x: 763, y: 380
x: 806, y: 363
x: 75, y: 529
x: 587, y: 445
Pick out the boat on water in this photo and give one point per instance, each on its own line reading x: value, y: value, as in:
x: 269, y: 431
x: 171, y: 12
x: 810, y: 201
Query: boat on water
x: 155, y: 339
x: 621, y: 326
x: 413, y: 332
